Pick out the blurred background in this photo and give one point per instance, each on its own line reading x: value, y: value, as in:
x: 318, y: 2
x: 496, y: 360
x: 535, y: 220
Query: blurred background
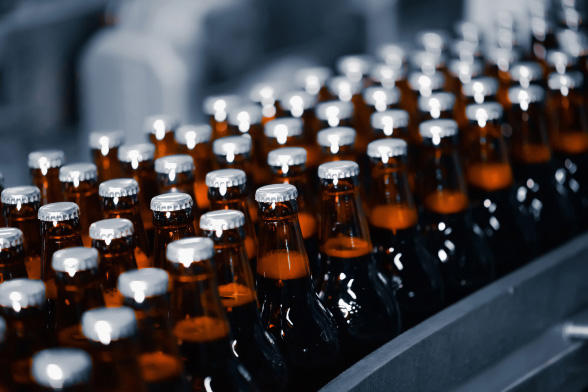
x: 68, y: 67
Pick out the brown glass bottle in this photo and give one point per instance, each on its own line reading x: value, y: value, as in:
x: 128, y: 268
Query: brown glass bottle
x: 376, y: 100
x: 511, y: 235
x: 160, y: 130
x: 201, y: 327
x: 499, y: 61
x: 350, y: 286
x: 395, y: 232
x: 226, y: 191
x: 175, y: 173
x: 334, y: 114
x: 113, y: 345
x: 479, y: 90
x: 300, y: 104
x: 80, y: 186
x: 313, y: 81
x: 62, y: 369
x: 44, y: 168
x: 437, y: 105
x: 291, y: 312
x: 12, y: 254
x: 146, y: 291
x: 104, y: 146
x: 283, y: 132
x: 337, y: 143
x: 137, y: 162
x: 389, y: 76
x: 391, y: 123
x: 60, y: 229
x: 113, y: 238
x: 539, y: 191
x: 173, y: 220
x: 523, y: 74
x: 464, y: 256
x: 194, y: 140
x: 217, y: 107
x: 78, y: 289
x: 392, y: 55
x: 120, y: 199
x: 21, y: 206
x: 24, y: 307
x: 256, y: 350
x: 421, y: 85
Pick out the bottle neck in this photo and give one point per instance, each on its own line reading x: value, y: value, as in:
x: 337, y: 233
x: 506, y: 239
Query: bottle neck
x: 123, y: 205
x: 21, y: 212
x: 173, y: 219
x: 82, y: 189
x: 137, y: 169
x: 338, y: 153
x: 75, y: 294
x: 529, y: 137
x: 117, y: 246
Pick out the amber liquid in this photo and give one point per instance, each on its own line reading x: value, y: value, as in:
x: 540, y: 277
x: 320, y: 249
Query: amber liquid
x: 144, y: 174
x: 116, y: 367
x: 48, y: 184
x: 162, y: 372
x: 166, y: 233
x: 26, y: 220
x: 62, y: 235
x: 115, y: 258
x: 489, y: 176
x: 164, y: 147
x: 86, y: 197
x: 12, y: 264
x: 202, y: 155
x: 108, y: 165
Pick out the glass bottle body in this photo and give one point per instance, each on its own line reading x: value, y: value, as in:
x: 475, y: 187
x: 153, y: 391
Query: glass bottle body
x: 165, y: 146
x: 12, y: 263
x: 85, y: 195
x: 24, y: 217
x: 170, y: 226
x: 47, y: 180
x: 202, y: 155
x: 107, y: 164
x: 144, y: 174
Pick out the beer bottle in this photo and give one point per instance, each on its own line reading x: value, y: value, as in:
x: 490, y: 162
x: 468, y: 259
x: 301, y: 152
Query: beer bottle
x: 334, y: 114
x: 511, y: 235
x: 521, y: 74
x: 436, y: 105
x: 137, y: 162
x: 283, y: 132
x: 298, y: 104
x: 194, y: 140
x: 341, y: 88
x: 375, y: 99
x: 390, y: 123
x: 467, y: 51
x: 540, y: 193
x: 146, y: 291
x: 160, y: 129
x: 568, y: 134
x: 266, y: 95
x: 313, y: 81
x: 62, y: 369
x: 355, y: 67
x: 60, y: 229
x: 389, y: 76
x: 499, y: 63
x: 337, y: 144
x: 288, y: 166
x: 392, y: 55
x: 479, y: 90
x: 21, y: 207
x: 364, y: 306
x: 23, y: 306
x: 173, y: 219
x: 462, y: 72
x: 395, y: 232
x: 201, y: 327
x: 217, y: 108
x: 427, y: 62
x: 104, y: 146
x: 467, y: 31
x: 257, y: 350
x: 78, y: 289
x: 113, y: 238
x: 291, y: 312
x: 112, y: 334
x: 80, y: 186
x: 12, y: 254
x: 44, y: 167
x: 119, y: 199
x: 226, y: 191
x: 420, y: 85
x: 462, y: 251
x: 175, y: 173
x: 560, y: 62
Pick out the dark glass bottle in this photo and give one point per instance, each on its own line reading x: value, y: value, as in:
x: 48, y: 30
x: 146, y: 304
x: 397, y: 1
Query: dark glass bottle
x: 175, y: 173
x: 21, y: 207
x: 395, y: 232
x: 217, y: 108
x: 160, y: 130
x: 437, y: 105
x: 291, y: 312
x: 104, y: 146
x: 479, y: 90
x: 44, y: 168
x: 300, y: 104
x: 464, y: 256
x: 62, y: 369
x: 256, y: 350
x: 12, y: 255
x: 523, y: 74
x: 201, y: 327
x: 337, y: 143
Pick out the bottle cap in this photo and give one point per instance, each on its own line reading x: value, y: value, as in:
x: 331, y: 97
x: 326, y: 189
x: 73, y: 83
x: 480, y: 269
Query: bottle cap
x: 22, y: 293
x: 225, y: 178
x: 220, y: 105
x: 435, y: 130
x: 159, y: 125
x: 171, y: 202
x: 76, y: 172
x: 425, y: 84
x: 143, y: 283
x: 287, y: 156
x: 179, y: 163
x: 46, y: 159
x: 266, y: 93
x: 354, y: 66
x: 135, y: 153
x: 189, y: 250
x: 276, y: 193
x: 121, y: 187
x: 334, y: 111
x: 59, y: 212
x: 487, y: 111
x: 296, y: 102
x: 381, y: 97
x: 465, y: 70
x: 392, y: 55
x: 283, y: 128
x: 59, y: 368
x: 480, y: 87
x: 503, y: 58
x: 526, y: 72
x: 426, y: 62
x: 465, y: 50
x: 311, y: 79
x: 436, y: 103
x: 387, y: 148
x: 387, y: 75
x: 21, y: 195
x: 108, y: 229
x: 10, y: 237
x: 243, y: 117
x: 433, y: 41
x: 72, y: 260
x: 338, y: 169
x: 191, y: 135
x: 569, y: 80
x: 106, y: 139
x: 104, y: 325
x: 467, y: 31
x: 231, y: 145
x: 389, y: 120
x: 222, y: 220
x: 336, y: 137
x: 560, y: 60
x: 572, y: 42
x: 524, y: 96
x: 343, y: 88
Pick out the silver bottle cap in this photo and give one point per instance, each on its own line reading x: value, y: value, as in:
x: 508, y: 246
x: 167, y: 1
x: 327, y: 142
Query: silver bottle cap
x: 312, y: 79
x: 343, y: 88
x: 135, y: 153
x: 22, y: 293
x: 387, y: 148
x: 287, y: 156
x: 243, y: 117
x: 103, y: 140
x: 392, y: 55
x: 565, y: 81
x: 219, y: 106
x: 266, y: 93
x: 121, y: 187
x: 59, y: 212
x: 171, y: 202
x: 230, y: 146
x: 179, y: 163
x: 296, y: 102
x: 283, y: 128
x: 523, y: 96
x: 276, y: 193
x: 426, y: 84
x: 389, y: 120
x: 21, y: 195
x: 159, y: 125
x: 560, y: 60
x: 225, y: 178
x: 526, y: 72
x: 355, y: 66
x: 435, y: 130
x: 427, y: 62
x: 482, y: 112
x: 59, y: 368
x: 143, y: 283
x: 467, y: 31
x: 465, y: 70
x: 387, y: 75
x: 381, y: 97
x: 433, y: 41
x: 334, y: 111
x: 189, y: 250
x: 222, y: 220
x: 436, y: 103
x: 109, y: 229
x: 480, y: 87
x: 104, y: 325
x: 336, y: 137
x: 46, y: 159
x: 191, y: 135
x: 77, y: 172
x: 465, y: 50
x: 338, y: 169
x: 10, y: 237
x: 72, y: 260
x: 503, y: 58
